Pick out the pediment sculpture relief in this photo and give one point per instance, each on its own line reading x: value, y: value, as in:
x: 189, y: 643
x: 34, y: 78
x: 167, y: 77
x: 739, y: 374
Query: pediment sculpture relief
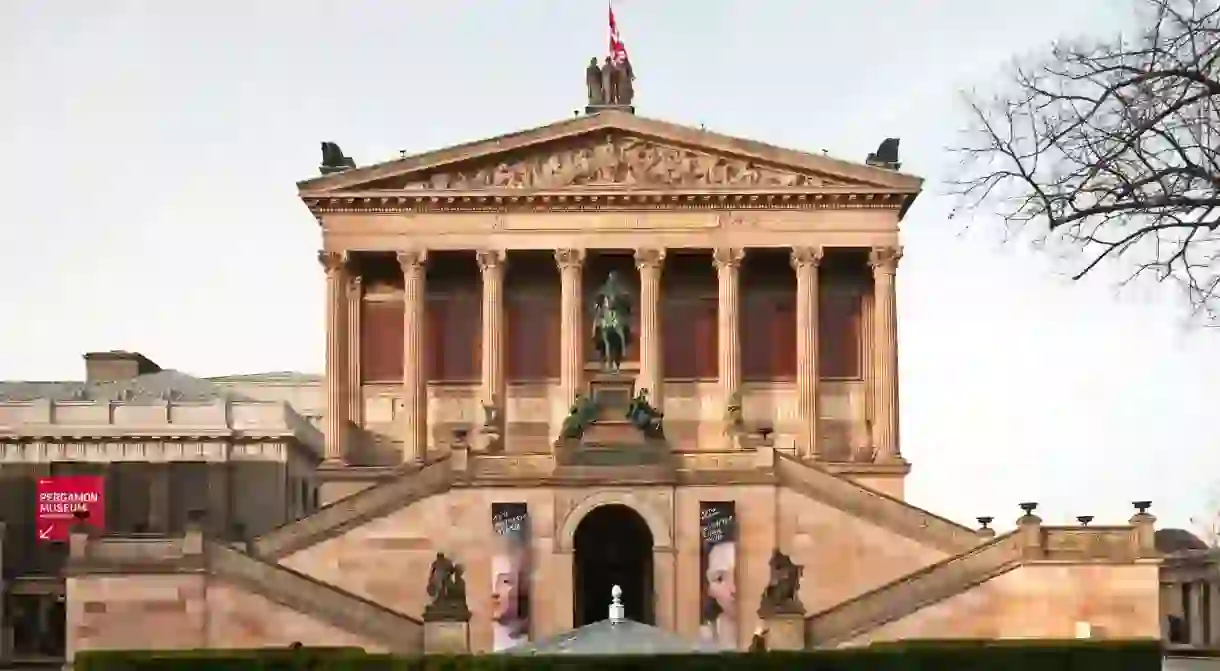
x: 624, y: 161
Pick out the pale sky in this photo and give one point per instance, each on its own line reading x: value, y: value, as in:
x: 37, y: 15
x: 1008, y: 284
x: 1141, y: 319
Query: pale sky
x: 150, y: 152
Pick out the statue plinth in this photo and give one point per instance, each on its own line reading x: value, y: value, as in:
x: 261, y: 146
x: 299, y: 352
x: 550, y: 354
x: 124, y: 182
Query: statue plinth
x: 446, y: 611
x: 785, y: 630
x: 611, y: 433
x: 613, y: 393
x: 446, y: 637
x: 594, y: 109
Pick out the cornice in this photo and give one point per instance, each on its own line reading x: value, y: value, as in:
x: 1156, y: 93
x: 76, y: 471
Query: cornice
x: 504, y: 201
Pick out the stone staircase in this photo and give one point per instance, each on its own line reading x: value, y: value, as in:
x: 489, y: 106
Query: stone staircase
x: 347, y: 611
x: 408, y: 486
x: 914, y: 591
x: 872, y: 506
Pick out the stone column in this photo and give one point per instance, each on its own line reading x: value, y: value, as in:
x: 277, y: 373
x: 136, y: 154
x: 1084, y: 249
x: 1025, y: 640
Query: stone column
x: 884, y: 261
x: 650, y: 263
x: 863, y: 430
x: 1198, y: 615
x: 355, y: 392
x: 491, y: 265
x: 572, y: 332
x: 728, y: 262
x: 414, y: 417
x: 805, y: 261
x: 335, y: 419
x: 1214, y: 606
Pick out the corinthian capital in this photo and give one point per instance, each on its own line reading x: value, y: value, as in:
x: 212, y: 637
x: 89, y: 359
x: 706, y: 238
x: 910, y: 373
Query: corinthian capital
x: 491, y: 259
x: 332, y: 262
x: 649, y: 257
x: 412, y: 260
x: 569, y: 258
x: 728, y: 257
x: 803, y: 257
x: 884, y: 259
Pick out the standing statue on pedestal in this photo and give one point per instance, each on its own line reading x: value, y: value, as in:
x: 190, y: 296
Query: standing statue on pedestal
x: 594, y: 84
x: 612, y: 323
x: 612, y: 83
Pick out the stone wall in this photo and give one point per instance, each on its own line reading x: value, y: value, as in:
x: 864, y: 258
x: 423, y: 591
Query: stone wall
x: 179, y: 611
x: 694, y: 414
x: 1042, y: 601
x: 387, y: 560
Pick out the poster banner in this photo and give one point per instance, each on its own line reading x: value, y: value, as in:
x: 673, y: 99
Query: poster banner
x: 64, y: 500
x: 718, y: 574
x: 510, y: 575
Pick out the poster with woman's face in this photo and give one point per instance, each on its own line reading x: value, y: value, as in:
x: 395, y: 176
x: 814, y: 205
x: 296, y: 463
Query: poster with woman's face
x: 510, y: 575
x: 718, y: 577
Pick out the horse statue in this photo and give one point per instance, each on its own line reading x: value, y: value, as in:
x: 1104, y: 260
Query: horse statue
x: 612, y: 323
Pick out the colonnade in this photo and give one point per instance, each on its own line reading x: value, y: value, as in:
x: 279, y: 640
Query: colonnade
x: 344, y: 400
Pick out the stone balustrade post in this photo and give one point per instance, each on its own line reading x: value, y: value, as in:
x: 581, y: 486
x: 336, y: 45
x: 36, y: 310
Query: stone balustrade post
x: 491, y: 267
x: 335, y: 419
x: 572, y: 335
x: 805, y: 261
x: 413, y: 421
x: 884, y: 261
x: 727, y: 261
x: 651, y: 263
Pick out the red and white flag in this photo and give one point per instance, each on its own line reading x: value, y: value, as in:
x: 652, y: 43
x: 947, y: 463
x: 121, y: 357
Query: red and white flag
x: 618, y: 52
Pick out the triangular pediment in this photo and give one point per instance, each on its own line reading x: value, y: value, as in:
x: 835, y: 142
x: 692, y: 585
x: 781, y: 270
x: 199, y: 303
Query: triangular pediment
x: 611, y: 150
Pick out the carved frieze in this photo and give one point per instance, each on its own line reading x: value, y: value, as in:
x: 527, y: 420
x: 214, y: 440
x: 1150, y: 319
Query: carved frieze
x: 618, y: 161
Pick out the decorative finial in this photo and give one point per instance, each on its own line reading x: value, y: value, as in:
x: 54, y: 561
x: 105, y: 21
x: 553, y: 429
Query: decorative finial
x: 1141, y: 506
x: 1084, y: 520
x: 617, y: 612
x: 1028, y: 508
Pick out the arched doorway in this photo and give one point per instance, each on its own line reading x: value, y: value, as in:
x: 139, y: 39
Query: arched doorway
x: 612, y: 546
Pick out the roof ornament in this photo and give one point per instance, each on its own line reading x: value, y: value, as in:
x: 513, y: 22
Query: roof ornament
x: 886, y: 155
x: 334, y: 160
x: 617, y: 612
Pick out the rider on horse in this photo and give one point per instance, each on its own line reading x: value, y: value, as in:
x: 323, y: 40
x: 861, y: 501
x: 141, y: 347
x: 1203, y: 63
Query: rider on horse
x: 612, y: 322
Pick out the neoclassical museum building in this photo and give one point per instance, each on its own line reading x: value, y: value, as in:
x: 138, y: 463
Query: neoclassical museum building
x: 466, y: 410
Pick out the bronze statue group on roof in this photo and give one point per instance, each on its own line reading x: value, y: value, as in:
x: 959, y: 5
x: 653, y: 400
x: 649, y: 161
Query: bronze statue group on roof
x: 611, y: 83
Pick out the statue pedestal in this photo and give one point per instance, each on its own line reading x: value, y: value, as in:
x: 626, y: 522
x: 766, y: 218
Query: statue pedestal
x: 446, y: 637
x: 594, y: 109
x: 446, y: 629
x: 785, y: 630
x: 613, y: 393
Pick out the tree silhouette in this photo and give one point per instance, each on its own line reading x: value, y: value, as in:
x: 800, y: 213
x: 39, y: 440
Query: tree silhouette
x: 1111, y: 147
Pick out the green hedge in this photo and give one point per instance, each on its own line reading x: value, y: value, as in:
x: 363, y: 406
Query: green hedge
x: 900, y: 656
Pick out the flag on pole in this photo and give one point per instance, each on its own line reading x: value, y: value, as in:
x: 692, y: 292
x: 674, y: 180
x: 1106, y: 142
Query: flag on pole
x: 618, y: 52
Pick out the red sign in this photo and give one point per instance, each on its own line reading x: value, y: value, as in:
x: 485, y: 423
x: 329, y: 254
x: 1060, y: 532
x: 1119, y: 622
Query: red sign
x: 62, y: 499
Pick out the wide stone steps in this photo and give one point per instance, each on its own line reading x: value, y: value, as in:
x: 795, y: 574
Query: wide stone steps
x: 914, y: 591
x: 304, y: 594
x: 885, y: 511
x: 409, y: 486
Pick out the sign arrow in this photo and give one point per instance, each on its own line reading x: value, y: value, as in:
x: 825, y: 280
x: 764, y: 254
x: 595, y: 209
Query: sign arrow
x: 45, y: 534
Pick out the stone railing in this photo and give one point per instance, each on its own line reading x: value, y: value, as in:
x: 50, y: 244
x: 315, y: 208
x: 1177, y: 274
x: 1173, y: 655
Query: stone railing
x: 1100, y: 543
x: 1029, y: 543
x: 347, y: 611
x: 410, y: 485
x: 885, y: 511
x: 134, y: 554
x: 914, y: 591
x: 111, y: 419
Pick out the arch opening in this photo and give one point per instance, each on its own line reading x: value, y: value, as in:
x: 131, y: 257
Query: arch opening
x: 612, y: 546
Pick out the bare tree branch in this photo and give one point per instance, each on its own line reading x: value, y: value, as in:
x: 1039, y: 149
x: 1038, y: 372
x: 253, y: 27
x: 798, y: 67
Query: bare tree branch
x: 1112, y: 147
